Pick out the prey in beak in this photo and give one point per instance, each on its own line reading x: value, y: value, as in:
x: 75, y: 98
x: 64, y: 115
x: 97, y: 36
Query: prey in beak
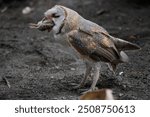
x: 44, y: 24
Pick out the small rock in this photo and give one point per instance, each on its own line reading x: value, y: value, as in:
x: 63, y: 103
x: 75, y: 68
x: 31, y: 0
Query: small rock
x: 120, y: 73
x: 124, y: 86
x: 72, y: 69
x: 100, y: 12
x: 57, y: 67
x: 27, y: 10
x: 52, y: 76
x: 120, y: 94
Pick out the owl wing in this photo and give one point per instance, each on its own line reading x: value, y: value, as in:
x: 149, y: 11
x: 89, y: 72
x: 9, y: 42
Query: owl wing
x: 97, y: 47
x: 96, y: 30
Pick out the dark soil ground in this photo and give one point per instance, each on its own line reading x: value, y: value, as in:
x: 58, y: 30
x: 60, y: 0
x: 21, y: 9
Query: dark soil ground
x: 38, y: 67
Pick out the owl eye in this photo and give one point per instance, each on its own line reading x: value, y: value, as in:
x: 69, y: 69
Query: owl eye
x: 55, y: 15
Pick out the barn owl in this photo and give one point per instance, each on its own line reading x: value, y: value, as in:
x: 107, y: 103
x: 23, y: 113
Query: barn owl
x: 91, y: 42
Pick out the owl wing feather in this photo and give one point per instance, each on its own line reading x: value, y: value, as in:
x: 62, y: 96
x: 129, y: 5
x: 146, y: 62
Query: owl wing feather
x: 98, y: 47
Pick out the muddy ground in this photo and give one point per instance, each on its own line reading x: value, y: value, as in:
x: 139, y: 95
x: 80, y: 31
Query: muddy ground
x: 38, y: 67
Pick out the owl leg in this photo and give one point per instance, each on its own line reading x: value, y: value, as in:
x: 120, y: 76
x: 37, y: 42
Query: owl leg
x: 87, y: 73
x: 95, y: 76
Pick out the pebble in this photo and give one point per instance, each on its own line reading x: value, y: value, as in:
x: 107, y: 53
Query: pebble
x: 100, y: 12
x: 27, y: 10
x: 120, y: 73
x: 73, y: 69
x: 57, y: 67
x: 124, y: 86
x: 52, y: 76
x: 120, y: 94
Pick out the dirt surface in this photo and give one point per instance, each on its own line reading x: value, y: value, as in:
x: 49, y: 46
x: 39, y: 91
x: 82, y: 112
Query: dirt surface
x: 38, y: 67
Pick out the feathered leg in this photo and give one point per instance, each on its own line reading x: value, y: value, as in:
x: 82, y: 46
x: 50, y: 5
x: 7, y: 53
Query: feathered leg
x: 87, y: 73
x: 96, y: 69
x: 95, y: 76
